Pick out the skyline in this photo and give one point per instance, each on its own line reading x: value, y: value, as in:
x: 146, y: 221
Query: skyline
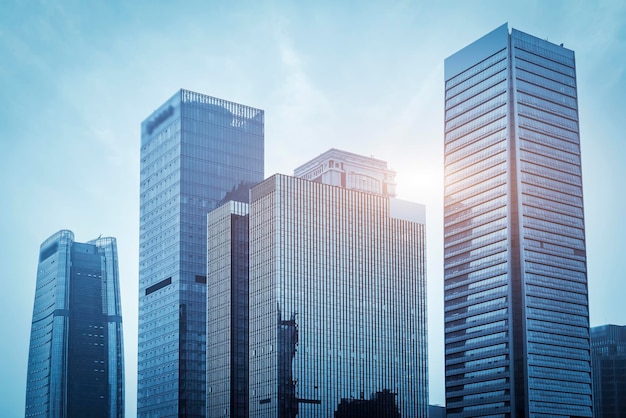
x: 81, y: 79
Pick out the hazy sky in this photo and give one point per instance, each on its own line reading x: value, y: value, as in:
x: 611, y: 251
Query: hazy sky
x: 78, y: 77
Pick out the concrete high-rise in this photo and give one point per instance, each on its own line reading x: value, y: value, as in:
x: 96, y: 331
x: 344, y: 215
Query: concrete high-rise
x: 194, y: 150
x: 608, y: 357
x: 516, y: 305
x: 75, y: 361
x: 337, y: 293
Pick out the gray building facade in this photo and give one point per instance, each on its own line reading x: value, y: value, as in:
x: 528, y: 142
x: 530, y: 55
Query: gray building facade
x: 194, y: 150
x: 516, y: 305
x: 337, y: 301
x: 76, y: 355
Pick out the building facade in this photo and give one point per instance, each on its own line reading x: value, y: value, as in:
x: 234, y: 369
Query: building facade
x: 76, y: 355
x: 608, y: 358
x: 436, y: 411
x: 194, y: 149
x: 337, y: 301
x: 516, y: 305
x: 227, y: 311
x: 350, y: 171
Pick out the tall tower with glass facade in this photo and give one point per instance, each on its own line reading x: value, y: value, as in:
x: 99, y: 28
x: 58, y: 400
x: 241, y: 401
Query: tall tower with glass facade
x: 76, y: 356
x: 516, y: 306
x: 337, y: 306
x: 194, y: 149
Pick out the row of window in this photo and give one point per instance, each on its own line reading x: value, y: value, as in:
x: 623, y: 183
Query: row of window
x: 478, y: 68
x: 563, y: 67
x: 490, y: 185
x: 475, y: 141
x: 477, y: 124
x: 474, y: 173
x: 545, y: 83
x: 573, y: 170
x: 478, y: 77
x: 479, y: 201
x: 541, y: 102
x: 478, y: 105
x: 473, y: 155
x: 475, y: 265
x: 469, y: 227
x: 573, y: 284
x: 534, y: 68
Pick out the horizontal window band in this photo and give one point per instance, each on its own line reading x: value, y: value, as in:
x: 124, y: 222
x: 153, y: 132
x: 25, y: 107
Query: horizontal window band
x: 158, y: 286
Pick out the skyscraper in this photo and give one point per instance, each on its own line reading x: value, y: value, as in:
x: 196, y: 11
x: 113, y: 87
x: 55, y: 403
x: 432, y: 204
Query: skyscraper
x: 608, y: 357
x: 516, y: 306
x: 337, y: 293
x: 75, y: 361
x: 227, y: 311
x: 194, y: 149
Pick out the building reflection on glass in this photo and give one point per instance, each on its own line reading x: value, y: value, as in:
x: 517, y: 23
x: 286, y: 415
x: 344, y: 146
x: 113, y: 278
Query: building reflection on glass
x: 287, y: 343
x: 337, y: 292
x: 381, y: 404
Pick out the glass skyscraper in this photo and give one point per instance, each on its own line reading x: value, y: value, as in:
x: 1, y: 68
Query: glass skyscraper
x: 75, y: 361
x: 337, y: 307
x: 227, y: 311
x: 516, y: 306
x: 608, y: 357
x: 194, y: 149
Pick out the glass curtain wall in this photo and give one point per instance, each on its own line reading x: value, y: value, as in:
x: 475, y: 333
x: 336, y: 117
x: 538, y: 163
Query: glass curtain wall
x: 516, y: 306
x: 194, y: 150
x: 337, y: 302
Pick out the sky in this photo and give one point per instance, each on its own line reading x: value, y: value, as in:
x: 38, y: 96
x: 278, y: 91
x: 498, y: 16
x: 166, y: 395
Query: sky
x: 78, y: 77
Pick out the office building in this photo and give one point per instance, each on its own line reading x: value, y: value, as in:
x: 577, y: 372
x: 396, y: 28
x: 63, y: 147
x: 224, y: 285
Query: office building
x: 516, y: 306
x: 76, y: 356
x: 227, y: 310
x: 608, y: 358
x: 194, y: 150
x: 337, y: 308
x: 350, y: 171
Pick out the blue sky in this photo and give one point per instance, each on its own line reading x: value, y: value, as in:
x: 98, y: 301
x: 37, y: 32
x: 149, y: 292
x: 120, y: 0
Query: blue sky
x: 78, y: 77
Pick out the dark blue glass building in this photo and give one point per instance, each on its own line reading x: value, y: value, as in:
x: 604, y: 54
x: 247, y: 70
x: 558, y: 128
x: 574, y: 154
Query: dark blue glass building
x: 75, y: 362
x: 516, y: 306
x: 194, y: 149
x: 608, y: 357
